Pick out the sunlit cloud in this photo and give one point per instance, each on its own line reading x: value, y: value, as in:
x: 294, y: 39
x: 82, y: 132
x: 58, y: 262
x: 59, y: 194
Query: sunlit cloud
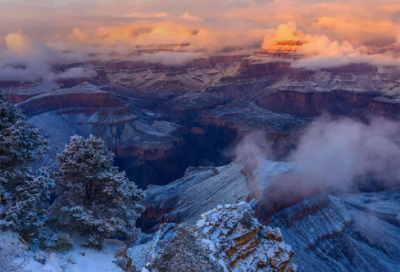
x: 141, y: 15
x: 187, y: 16
x: 334, y: 30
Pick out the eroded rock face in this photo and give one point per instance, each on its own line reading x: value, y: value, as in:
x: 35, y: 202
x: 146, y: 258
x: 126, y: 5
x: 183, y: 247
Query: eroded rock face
x: 18, y: 92
x: 299, y: 102
x: 231, y: 240
x: 84, y: 95
x: 244, y: 244
x: 348, y: 232
x: 385, y: 106
x: 310, y: 103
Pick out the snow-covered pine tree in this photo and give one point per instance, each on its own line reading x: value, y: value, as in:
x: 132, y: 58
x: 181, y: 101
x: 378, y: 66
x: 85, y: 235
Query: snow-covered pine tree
x: 98, y: 200
x: 23, y: 212
x: 20, y: 145
x: 21, y: 190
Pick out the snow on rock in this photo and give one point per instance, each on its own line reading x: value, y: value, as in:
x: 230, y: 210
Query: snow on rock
x: 139, y: 255
x: 11, y: 238
x: 204, y: 188
x: 234, y: 239
x: 52, y: 264
x: 165, y: 234
x: 244, y: 244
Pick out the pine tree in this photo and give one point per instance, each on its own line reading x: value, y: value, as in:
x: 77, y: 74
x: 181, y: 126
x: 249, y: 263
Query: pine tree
x: 98, y: 200
x: 23, y: 212
x: 20, y: 145
x: 21, y: 190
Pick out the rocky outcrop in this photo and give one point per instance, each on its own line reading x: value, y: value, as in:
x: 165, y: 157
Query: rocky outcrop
x: 230, y: 237
x: 243, y: 243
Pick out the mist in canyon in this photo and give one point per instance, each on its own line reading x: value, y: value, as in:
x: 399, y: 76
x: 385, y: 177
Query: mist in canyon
x: 333, y: 155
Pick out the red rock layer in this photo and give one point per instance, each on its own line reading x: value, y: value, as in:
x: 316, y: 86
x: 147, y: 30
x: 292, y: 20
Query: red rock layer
x: 62, y: 100
x: 383, y: 106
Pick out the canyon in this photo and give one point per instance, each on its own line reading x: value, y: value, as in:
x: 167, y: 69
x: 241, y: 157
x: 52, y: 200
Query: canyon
x: 174, y: 130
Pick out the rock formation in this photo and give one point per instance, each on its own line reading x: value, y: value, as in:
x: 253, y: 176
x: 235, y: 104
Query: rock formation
x: 230, y: 236
x: 244, y: 244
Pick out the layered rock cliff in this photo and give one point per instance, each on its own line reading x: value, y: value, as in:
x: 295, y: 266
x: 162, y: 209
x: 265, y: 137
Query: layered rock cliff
x: 244, y: 244
x: 231, y: 238
x: 84, y: 95
x: 389, y: 107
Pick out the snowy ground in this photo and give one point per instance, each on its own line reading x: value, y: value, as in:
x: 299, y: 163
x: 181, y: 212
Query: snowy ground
x: 79, y: 259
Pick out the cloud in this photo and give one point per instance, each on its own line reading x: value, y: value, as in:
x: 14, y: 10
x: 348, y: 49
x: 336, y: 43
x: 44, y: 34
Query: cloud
x: 187, y: 16
x: 336, y: 30
x: 201, y: 36
x: 251, y: 146
x: 141, y: 15
x: 283, y: 32
x: 28, y: 60
x: 18, y: 44
x: 334, y: 153
x: 75, y: 72
x: 319, y: 51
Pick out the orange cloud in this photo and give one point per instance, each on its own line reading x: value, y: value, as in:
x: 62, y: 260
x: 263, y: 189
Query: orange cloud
x: 141, y: 15
x: 200, y: 35
x: 209, y: 25
x: 190, y: 17
x: 321, y: 52
x: 18, y: 44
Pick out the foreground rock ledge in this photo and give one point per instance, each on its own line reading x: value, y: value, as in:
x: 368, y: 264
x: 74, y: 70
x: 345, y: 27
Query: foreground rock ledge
x: 234, y: 239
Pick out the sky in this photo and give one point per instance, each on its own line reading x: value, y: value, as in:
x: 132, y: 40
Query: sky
x: 338, y: 31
